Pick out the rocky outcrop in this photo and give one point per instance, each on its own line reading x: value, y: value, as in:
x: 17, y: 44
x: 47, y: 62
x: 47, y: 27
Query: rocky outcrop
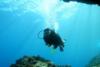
x: 35, y: 61
x: 85, y: 1
x: 95, y: 62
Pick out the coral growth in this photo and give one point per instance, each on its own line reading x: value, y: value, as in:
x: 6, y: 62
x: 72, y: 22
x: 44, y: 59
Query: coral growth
x: 35, y: 61
x: 95, y: 62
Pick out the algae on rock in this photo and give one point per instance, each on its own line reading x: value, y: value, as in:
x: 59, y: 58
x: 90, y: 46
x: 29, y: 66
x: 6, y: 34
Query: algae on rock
x: 35, y: 61
x: 95, y: 62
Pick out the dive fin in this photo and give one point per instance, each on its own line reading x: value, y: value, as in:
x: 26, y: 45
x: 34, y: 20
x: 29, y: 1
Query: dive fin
x: 61, y: 49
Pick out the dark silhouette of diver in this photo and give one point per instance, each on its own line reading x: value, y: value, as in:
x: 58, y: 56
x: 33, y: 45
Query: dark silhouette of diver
x: 52, y: 38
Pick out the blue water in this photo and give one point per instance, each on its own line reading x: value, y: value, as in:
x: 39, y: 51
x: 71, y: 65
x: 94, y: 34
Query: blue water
x: 21, y: 21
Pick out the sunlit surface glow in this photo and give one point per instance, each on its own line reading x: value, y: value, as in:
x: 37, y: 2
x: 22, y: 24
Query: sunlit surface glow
x: 51, y: 10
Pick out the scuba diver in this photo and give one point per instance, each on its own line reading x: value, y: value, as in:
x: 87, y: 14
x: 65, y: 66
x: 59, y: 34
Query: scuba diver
x: 52, y: 38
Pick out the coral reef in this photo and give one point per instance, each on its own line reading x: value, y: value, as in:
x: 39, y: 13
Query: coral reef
x: 95, y: 62
x: 86, y: 1
x: 35, y: 61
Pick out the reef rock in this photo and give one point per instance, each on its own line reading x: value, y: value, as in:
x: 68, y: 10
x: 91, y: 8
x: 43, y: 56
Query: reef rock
x: 35, y: 61
x: 95, y: 62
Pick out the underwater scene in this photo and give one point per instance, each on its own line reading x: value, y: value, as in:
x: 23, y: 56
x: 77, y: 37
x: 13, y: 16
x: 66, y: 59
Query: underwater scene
x: 49, y: 33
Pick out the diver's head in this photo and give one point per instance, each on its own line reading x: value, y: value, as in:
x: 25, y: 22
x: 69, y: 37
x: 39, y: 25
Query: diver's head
x: 47, y: 31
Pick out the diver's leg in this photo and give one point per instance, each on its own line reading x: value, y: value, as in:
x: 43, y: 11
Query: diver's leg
x: 55, y: 46
x: 49, y: 45
x: 62, y: 45
x: 61, y: 48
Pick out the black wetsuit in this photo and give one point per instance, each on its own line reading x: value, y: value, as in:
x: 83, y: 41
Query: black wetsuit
x: 52, y: 38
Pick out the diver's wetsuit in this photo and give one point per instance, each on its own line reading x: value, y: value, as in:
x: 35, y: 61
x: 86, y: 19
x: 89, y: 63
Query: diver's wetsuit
x: 52, y: 38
